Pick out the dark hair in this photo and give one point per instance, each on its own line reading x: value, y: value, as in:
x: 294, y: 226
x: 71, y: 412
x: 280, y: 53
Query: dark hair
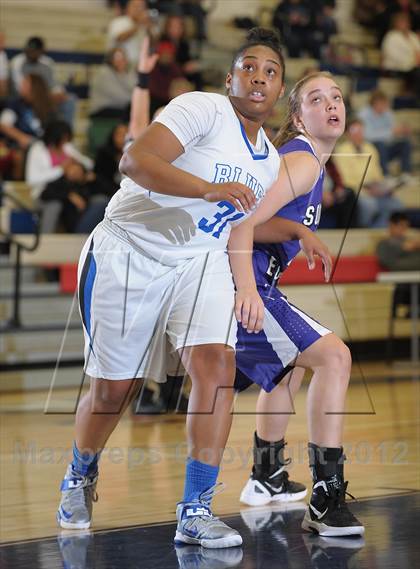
x: 265, y: 37
x: 56, y: 131
x: 398, y: 216
x: 35, y: 42
x: 109, y: 56
x: 41, y: 100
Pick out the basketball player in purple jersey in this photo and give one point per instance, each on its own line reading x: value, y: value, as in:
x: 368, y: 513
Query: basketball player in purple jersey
x: 290, y: 340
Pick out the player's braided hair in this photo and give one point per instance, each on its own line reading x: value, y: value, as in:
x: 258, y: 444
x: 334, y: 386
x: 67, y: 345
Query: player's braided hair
x: 261, y: 36
x: 289, y: 130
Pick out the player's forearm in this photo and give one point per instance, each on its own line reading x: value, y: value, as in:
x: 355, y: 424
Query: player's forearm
x: 157, y: 175
x: 140, y: 111
x: 278, y: 229
x: 240, y: 249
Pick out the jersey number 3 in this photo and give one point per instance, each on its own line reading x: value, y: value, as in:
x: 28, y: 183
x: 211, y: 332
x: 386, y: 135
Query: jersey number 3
x: 216, y: 225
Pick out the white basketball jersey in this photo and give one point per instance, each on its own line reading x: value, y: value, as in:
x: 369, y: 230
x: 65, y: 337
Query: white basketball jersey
x: 217, y: 150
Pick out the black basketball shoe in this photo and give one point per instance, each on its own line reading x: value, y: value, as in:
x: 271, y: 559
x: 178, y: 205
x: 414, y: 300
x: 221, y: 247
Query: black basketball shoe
x: 328, y: 513
x: 261, y: 488
x: 269, y: 481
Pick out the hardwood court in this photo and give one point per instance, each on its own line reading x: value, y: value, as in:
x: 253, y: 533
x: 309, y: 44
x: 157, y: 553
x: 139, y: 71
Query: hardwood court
x: 142, y: 468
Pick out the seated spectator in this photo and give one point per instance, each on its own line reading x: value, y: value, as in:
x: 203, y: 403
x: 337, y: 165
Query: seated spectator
x: 401, y: 53
x: 401, y: 46
x: 111, y: 89
x: 165, y: 71
x: 128, y: 31
x: 399, y: 252
x: 48, y: 160
x: 23, y: 119
x: 302, y: 29
x: 108, y: 158
x: 359, y: 166
x: 4, y: 70
x: 48, y: 157
x: 384, y: 20
x: 82, y: 198
x: 34, y: 61
x: 199, y: 10
x: 174, y: 32
x: 365, y: 12
x: 323, y: 22
x: 390, y: 140
x: 339, y: 209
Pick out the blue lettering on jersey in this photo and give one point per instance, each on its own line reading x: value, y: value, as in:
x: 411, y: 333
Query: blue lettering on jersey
x: 225, y: 173
x: 255, y: 186
x: 222, y: 218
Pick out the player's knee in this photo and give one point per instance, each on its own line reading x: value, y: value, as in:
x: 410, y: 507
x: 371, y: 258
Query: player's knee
x: 338, y: 356
x: 216, y: 366
x: 111, y: 396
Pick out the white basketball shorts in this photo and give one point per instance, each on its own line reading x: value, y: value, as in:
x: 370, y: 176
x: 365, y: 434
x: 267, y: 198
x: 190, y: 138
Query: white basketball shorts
x: 133, y: 307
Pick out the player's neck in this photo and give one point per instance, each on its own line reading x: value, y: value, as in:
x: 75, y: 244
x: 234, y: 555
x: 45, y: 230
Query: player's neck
x: 251, y: 125
x: 323, y: 149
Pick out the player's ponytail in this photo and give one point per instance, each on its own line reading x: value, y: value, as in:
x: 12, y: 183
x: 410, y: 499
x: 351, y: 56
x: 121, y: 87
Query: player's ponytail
x: 289, y: 130
x: 261, y: 36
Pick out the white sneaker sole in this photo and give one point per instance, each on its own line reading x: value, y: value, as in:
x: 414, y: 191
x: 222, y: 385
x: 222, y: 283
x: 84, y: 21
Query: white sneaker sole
x: 232, y: 541
x: 253, y: 499
x: 330, y: 531
x: 68, y: 525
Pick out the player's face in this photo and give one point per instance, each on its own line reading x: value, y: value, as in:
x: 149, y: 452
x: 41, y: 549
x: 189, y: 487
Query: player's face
x: 323, y: 114
x: 255, y: 83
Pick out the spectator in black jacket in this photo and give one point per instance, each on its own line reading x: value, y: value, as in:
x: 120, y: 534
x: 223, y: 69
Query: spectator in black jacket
x: 108, y: 158
x: 82, y: 196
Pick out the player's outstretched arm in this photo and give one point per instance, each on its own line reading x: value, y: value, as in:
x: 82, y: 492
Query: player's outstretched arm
x: 140, y: 98
x: 148, y: 162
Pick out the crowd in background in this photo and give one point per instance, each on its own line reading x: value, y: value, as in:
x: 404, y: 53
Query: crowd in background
x: 37, y: 113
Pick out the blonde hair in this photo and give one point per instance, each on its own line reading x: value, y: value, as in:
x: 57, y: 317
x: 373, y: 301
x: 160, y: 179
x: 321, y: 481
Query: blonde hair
x: 289, y: 130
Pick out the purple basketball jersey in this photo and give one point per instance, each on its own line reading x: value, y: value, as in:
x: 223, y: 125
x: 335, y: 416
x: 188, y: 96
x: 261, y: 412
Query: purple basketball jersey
x: 272, y: 259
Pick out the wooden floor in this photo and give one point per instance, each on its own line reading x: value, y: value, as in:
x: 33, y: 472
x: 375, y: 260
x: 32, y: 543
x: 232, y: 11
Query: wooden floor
x: 143, y: 466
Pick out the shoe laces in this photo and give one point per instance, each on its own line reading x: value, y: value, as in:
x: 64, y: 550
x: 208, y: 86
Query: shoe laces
x: 207, y: 496
x: 338, y: 496
x: 88, y: 491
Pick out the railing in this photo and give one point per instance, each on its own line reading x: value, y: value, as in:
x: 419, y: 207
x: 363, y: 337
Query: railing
x: 15, y: 321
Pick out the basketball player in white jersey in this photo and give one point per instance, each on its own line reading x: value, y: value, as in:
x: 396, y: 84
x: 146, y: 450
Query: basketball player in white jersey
x: 156, y: 268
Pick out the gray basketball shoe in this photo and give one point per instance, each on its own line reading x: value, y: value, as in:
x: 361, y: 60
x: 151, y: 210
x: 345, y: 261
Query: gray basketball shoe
x: 77, y: 495
x: 198, y: 526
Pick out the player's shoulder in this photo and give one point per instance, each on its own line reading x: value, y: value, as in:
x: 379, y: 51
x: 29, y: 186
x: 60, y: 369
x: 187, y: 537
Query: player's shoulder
x: 213, y: 101
x: 299, y: 143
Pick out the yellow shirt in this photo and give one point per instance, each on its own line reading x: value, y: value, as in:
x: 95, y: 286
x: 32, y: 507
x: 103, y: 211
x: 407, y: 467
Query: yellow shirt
x: 352, y: 163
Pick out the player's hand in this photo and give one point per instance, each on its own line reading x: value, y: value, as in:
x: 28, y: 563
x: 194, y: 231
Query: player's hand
x: 249, y: 309
x: 235, y: 193
x: 147, y: 61
x: 311, y: 245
